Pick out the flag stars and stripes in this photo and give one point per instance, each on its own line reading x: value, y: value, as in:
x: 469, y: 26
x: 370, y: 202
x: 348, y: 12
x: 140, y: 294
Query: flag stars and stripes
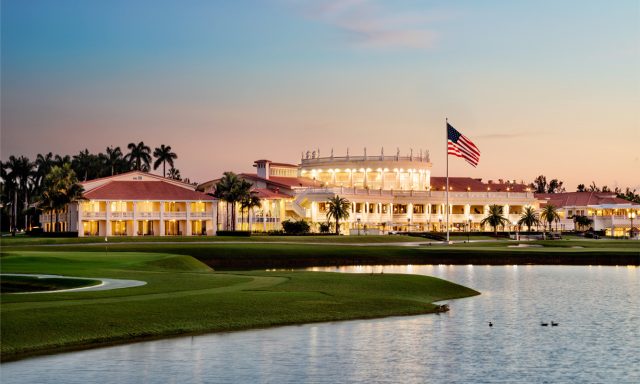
x: 459, y: 145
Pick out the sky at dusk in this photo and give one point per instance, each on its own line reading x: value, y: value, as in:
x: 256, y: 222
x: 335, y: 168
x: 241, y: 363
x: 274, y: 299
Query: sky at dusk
x: 541, y: 87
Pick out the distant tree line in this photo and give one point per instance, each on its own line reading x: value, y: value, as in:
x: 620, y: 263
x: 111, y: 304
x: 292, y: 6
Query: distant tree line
x: 25, y: 189
x: 540, y: 185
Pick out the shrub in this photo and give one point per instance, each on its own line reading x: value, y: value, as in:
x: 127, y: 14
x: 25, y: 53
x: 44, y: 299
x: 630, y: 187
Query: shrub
x: 299, y: 227
x: 324, y: 227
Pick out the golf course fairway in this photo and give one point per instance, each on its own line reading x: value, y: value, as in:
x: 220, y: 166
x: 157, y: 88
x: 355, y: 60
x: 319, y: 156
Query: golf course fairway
x: 185, y: 296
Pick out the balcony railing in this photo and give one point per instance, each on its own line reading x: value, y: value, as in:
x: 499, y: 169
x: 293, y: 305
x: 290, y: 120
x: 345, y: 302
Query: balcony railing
x: 203, y: 215
x: 93, y: 215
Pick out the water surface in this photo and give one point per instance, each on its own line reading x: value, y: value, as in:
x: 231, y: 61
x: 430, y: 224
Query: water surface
x: 597, y: 341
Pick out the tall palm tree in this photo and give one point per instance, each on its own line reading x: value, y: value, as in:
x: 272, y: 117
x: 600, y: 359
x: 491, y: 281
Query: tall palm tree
x: 113, y: 158
x: 62, y: 188
x: 87, y: 165
x: 495, y: 217
x: 163, y: 156
x: 529, y: 218
x: 581, y: 221
x: 20, y: 172
x: 549, y: 214
x: 249, y: 202
x: 338, y: 209
x: 231, y: 189
x: 60, y: 160
x: 43, y: 164
x: 139, y: 156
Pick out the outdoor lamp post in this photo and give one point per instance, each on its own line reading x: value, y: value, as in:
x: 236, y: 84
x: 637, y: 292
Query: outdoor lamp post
x: 515, y: 224
x: 358, y: 225
x: 408, y: 224
x: 440, y: 220
x: 469, y: 232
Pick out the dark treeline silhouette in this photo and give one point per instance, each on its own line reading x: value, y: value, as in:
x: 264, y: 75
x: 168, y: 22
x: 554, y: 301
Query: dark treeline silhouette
x: 23, y: 182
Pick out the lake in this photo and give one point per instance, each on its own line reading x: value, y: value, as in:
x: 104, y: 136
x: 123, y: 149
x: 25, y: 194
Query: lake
x: 597, y: 339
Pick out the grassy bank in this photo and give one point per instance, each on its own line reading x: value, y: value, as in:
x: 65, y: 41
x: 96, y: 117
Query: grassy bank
x: 26, y: 240
x: 250, y: 255
x: 184, y: 296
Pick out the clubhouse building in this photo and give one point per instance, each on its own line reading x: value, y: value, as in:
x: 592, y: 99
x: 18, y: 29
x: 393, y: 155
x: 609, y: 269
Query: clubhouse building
x: 137, y: 204
x: 387, y: 193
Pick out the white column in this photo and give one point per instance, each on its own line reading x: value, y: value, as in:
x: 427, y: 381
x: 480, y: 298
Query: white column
x: 108, y: 219
x: 135, y: 218
x: 80, y: 226
x: 161, y: 218
x: 188, y: 229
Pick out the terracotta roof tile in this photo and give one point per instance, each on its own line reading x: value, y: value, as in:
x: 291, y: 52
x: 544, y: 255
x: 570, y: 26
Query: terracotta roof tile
x: 144, y: 190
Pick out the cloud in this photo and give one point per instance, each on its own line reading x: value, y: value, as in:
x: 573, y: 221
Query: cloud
x: 368, y: 25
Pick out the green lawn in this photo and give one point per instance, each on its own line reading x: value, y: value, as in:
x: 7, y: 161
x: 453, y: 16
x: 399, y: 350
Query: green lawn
x: 183, y: 296
x: 25, y: 240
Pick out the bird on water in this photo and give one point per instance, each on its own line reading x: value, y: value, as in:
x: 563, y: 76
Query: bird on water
x: 544, y: 324
x: 490, y: 324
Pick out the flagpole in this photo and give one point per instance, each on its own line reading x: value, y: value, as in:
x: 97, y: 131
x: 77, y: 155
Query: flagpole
x: 447, y: 154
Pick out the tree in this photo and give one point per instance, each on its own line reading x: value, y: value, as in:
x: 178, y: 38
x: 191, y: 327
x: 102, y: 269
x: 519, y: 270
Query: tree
x: 495, y: 217
x: 250, y: 202
x: 87, y: 165
x: 19, y: 173
x: 581, y: 188
x: 581, y: 222
x: 529, y: 218
x: 231, y: 189
x: 549, y: 214
x: 61, y: 188
x: 555, y: 186
x: 338, y: 209
x: 539, y: 185
x: 113, y: 160
x: 163, y: 156
x: 139, y: 156
x: 174, y: 174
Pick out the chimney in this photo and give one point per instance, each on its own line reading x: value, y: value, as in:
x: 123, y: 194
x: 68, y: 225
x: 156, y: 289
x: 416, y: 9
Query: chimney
x: 263, y: 168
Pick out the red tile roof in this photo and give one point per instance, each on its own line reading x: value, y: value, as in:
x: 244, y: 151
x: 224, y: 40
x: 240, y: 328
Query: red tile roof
x: 582, y: 199
x: 287, y: 182
x: 474, y: 185
x: 144, y: 190
x: 265, y: 193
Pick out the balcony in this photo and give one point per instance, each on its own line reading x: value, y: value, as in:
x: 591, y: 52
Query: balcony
x: 148, y: 215
x: 181, y: 215
x: 93, y: 215
x: 201, y: 215
x: 121, y: 215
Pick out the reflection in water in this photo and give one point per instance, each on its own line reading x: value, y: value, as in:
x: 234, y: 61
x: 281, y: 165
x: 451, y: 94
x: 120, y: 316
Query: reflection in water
x: 598, y: 339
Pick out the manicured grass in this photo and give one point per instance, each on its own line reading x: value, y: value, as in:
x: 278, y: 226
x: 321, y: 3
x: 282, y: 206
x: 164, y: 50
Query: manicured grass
x: 21, y: 284
x: 25, y: 240
x: 248, y: 255
x: 184, y: 296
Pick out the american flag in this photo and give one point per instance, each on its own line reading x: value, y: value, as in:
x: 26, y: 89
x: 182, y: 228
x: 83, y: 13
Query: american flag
x: 459, y: 145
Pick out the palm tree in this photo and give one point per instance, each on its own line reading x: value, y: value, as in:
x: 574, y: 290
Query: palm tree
x: 529, y: 218
x: 139, y: 156
x: 61, y: 189
x: 549, y: 214
x: 86, y: 164
x: 20, y: 173
x: 581, y: 221
x: 495, y: 217
x: 43, y: 164
x: 338, y: 208
x: 163, y: 156
x: 249, y: 202
x: 113, y: 158
x: 231, y: 189
x: 174, y: 174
